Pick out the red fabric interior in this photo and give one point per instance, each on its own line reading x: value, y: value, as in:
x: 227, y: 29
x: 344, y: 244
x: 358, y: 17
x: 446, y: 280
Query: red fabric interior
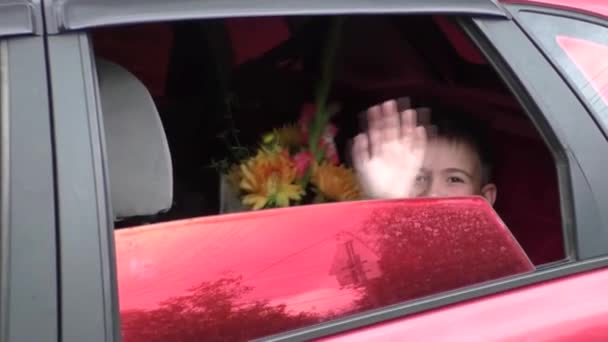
x: 249, y: 43
x: 460, y: 41
x: 528, y: 198
x: 143, y: 50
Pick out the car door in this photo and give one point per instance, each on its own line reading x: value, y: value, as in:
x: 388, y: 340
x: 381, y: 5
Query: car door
x: 88, y: 292
x: 559, y: 81
x: 29, y: 308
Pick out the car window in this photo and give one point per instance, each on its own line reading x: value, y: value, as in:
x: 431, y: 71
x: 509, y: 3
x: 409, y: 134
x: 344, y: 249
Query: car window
x: 580, y: 49
x: 208, y: 134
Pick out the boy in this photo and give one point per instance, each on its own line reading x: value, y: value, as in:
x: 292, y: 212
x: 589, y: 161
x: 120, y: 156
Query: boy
x: 401, y: 157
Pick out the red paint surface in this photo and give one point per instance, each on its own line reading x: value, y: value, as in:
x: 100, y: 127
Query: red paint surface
x: 569, y: 309
x: 591, y: 59
x: 237, y: 277
x: 598, y: 7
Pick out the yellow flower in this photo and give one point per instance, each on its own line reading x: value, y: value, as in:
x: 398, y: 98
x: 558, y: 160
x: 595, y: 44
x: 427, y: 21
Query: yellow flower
x: 268, y: 179
x: 287, y: 136
x: 270, y: 138
x: 290, y: 136
x: 336, y: 182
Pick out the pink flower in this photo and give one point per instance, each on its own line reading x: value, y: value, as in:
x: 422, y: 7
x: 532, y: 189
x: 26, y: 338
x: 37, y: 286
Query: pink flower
x: 306, y: 115
x: 326, y: 142
x: 302, y: 162
x: 331, y: 152
x: 331, y: 130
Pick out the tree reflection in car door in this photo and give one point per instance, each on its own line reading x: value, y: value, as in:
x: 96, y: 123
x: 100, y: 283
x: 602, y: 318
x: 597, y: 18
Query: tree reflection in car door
x: 429, y: 250
x: 212, y: 311
x: 244, y: 276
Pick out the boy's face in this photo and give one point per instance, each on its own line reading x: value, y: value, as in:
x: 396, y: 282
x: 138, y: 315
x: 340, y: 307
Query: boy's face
x: 452, y: 169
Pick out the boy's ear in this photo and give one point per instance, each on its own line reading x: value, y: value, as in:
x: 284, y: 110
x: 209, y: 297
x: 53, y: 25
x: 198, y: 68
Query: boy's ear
x: 489, y: 192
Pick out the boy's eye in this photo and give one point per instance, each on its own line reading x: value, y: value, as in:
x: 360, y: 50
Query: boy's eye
x: 455, y: 179
x: 422, y: 178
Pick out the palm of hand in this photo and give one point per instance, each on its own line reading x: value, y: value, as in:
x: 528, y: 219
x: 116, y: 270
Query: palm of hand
x: 388, y: 168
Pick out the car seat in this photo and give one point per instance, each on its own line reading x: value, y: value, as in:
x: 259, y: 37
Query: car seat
x: 138, y: 156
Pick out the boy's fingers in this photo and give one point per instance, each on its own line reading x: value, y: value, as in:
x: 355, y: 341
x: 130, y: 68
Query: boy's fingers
x: 360, y: 150
x: 423, y: 116
x: 431, y: 131
x: 420, y: 137
x: 408, y: 121
x: 391, y: 120
x: 403, y: 103
x: 375, y: 122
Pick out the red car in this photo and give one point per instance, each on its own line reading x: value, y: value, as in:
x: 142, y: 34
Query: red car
x: 111, y: 113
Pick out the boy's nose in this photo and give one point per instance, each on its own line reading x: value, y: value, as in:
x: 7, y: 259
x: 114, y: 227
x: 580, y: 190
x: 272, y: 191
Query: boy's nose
x: 436, y: 190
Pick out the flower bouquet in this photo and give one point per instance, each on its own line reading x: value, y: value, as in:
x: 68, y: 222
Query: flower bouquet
x: 286, y: 171
x: 295, y: 164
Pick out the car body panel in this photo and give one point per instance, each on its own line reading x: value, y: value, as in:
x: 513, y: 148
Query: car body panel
x: 590, y: 58
x: 596, y: 7
x: 568, y: 309
x: 277, y: 270
x: 522, y: 65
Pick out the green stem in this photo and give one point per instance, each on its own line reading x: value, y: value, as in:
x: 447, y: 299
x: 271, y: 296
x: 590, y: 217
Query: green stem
x: 321, y: 118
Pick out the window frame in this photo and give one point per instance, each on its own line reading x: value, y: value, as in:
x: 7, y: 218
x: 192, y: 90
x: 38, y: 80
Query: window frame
x: 586, y: 142
x: 28, y: 259
x: 20, y: 17
x: 562, y: 14
x: 68, y: 15
x: 88, y: 294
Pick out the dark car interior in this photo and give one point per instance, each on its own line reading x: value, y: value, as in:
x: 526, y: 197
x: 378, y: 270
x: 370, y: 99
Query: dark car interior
x: 211, y: 77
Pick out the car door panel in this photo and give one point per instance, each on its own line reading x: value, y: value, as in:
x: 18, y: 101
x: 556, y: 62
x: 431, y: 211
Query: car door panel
x: 539, y: 311
x: 248, y: 275
x: 568, y: 309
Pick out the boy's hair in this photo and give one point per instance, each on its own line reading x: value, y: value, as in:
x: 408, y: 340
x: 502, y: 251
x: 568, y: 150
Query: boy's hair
x: 455, y: 127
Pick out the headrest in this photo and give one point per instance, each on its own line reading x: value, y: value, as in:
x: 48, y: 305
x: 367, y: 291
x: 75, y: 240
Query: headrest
x: 138, y: 157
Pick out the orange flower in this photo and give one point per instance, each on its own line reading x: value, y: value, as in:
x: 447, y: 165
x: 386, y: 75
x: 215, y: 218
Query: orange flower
x: 268, y: 179
x: 336, y: 182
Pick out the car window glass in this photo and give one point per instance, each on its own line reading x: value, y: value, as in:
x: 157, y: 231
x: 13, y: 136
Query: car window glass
x: 208, y: 133
x: 580, y: 49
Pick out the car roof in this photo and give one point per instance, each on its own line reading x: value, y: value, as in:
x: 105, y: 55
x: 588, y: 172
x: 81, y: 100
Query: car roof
x: 595, y: 7
x: 66, y: 15
x: 24, y: 16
